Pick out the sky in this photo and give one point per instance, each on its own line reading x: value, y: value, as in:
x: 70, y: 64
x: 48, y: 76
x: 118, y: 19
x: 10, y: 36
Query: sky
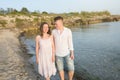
x: 61, y: 6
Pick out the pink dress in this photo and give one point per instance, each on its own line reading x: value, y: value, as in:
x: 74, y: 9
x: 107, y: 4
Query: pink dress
x: 45, y: 66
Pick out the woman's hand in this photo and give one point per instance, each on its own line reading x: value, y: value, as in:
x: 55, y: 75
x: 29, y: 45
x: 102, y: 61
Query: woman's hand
x: 53, y: 58
x: 37, y: 47
x: 37, y: 61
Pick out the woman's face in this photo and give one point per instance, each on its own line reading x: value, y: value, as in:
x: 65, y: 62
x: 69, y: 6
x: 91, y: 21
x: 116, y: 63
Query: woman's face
x: 45, y: 28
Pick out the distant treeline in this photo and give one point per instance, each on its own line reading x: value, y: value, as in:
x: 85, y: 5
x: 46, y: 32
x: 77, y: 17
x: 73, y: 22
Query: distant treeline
x: 25, y: 11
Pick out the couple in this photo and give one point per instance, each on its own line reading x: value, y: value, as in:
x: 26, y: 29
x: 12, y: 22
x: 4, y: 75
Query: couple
x: 56, y: 47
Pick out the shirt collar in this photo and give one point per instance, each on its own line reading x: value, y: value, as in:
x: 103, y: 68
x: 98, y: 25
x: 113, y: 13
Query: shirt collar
x: 64, y: 28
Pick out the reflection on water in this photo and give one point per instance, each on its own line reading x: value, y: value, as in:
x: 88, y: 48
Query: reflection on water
x: 97, y: 51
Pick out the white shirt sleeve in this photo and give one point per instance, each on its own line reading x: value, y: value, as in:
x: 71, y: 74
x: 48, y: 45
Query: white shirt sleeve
x: 52, y: 32
x: 70, y: 41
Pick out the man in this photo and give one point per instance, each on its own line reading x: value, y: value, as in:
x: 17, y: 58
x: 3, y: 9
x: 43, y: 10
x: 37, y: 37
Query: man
x: 64, y: 48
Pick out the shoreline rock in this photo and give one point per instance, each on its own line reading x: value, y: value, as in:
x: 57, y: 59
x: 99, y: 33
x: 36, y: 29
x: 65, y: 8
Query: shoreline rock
x: 24, y: 22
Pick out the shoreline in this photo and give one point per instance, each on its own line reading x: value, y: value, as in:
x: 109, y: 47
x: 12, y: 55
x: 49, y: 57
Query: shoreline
x: 14, y: 60
x: 56, y: 77
x: 20, y: 67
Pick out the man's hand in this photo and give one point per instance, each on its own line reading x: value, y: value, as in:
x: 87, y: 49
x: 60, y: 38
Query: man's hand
x: 71, y: 54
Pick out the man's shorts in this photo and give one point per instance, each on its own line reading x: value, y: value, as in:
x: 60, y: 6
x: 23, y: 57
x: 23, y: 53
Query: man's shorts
x: 68, y: 60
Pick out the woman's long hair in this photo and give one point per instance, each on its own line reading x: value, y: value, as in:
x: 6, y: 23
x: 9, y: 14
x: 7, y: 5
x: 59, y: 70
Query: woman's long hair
x: 41, y: 29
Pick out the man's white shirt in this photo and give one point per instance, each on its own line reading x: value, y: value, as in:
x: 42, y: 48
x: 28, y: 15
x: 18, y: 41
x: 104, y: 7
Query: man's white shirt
x: 63, y: 42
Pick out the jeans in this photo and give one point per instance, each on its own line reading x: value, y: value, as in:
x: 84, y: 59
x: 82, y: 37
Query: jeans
x: 60, y: 63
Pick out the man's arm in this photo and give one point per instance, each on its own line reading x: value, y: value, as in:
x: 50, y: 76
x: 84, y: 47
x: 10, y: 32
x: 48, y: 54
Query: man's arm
x: 70, y: 44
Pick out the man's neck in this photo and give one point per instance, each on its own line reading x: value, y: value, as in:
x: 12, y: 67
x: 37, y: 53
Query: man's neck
x: 61, y: 28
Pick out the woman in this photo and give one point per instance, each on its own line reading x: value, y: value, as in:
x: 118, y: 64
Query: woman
x: 45, y: 57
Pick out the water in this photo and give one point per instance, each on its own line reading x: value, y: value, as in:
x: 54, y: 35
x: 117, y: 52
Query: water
x: 97, y: 51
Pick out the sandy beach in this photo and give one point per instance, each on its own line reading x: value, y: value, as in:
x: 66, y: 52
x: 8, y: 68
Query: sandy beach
x: 13, y: 60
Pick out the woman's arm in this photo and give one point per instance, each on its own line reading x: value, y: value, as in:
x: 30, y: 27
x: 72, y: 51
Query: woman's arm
x: 53, y: 49
x: 37, y: 48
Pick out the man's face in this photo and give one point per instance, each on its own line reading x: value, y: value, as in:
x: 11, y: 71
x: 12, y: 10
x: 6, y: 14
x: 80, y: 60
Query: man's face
x: 58, y: 24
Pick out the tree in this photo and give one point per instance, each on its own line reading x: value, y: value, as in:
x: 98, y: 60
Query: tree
x: 44, y: 12
x: 9, y: 10
x: 35, y: 13
x: 24, y: 10
x: 74, y: 13
x: 2, y: 11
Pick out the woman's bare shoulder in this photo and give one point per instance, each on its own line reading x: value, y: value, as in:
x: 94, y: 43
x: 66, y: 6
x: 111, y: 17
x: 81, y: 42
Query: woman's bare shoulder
x: 37, y: 37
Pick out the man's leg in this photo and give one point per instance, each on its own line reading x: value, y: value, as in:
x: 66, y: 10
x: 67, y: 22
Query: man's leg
x: 71, y: 74
x: 60, y: 66
x: 70, y: 65
x: 61, y: 73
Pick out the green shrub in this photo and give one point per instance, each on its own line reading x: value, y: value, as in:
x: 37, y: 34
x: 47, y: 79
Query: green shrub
x: 3, y: 23
x: 19, y: 22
